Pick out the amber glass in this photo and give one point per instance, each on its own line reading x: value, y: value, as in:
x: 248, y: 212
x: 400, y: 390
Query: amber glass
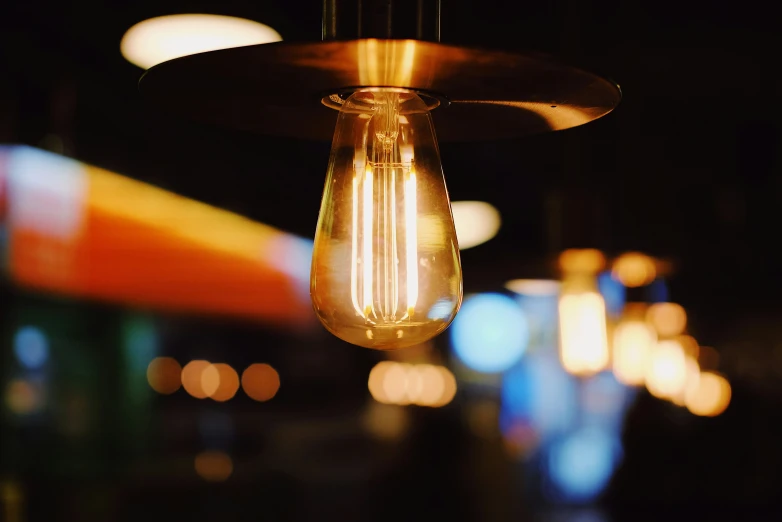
x: 385, y: 269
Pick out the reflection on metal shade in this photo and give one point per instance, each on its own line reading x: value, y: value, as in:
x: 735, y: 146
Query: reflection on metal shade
x: 484, y: 94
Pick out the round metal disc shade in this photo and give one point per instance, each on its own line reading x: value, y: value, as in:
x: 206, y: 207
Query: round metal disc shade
x: 277, y: 88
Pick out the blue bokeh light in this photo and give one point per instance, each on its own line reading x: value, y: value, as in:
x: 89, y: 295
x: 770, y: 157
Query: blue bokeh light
x: 490, y: 333
x: 540, y: 392
x: 614, y: 293
x: 657, y: 292
x: 31, y: 347
x: 581, y: 464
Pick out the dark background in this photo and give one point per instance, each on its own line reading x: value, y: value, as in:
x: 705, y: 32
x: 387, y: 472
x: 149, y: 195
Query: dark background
x: 687, y: 168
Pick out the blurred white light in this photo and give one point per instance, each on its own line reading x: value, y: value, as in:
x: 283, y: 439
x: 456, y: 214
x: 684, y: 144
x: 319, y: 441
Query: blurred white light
x: 31, y: 347
x: 164, y: 38
x: 490, y: 334
x: 582, y: 333
x: 476, y: 222
x: 633, y: 343
x: 582, y: 464
x: 666, y: 374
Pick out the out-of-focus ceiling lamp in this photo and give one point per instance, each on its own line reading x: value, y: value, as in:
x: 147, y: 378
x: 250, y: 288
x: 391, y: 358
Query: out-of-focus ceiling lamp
x: 164, y: 38
x: 386, y: 254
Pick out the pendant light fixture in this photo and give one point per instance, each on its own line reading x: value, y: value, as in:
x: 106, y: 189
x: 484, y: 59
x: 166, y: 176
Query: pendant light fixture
x: 386, y: 271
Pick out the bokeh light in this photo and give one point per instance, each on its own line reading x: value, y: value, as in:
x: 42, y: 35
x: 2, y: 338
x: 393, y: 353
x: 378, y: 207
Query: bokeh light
x: 164, y: 375
x: 633, y: 343
x: 210, y: 380
x: 582, y: 331
x: 192, y: 380
x: 539, y: 392
x: 228, y: 383
x: 534, y: 287
x: 666, y: 374
x: 710, y: 397
x: 260, y: 382
x: 214, y: 466
x: 634, y: 269
x: 708, y: 358
x: 475, y: 221
x: 581, y: 260
x: 386, y: 421
x: 581, y: 464
x: 490, y: 333
x: 31, y: 347
x: 164, y: 38
x: 668, y: 319
x: 613, y: 292
x: 23, y: 397
x: 402, y: 383
x: 691, y: 379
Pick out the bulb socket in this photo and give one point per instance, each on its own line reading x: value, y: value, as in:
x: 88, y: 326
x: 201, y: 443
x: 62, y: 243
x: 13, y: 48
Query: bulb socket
x: 335, y: 100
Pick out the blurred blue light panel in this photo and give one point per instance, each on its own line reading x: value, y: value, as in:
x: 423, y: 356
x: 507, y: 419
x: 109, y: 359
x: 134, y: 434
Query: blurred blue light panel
x: 540, y: 392
x: 657, y: 291
x: 490, y: 333
x: 605, y: 401
x: 542, y: 314
x: 581, y: 464
x: 31, y: 347
x: 613, y: 292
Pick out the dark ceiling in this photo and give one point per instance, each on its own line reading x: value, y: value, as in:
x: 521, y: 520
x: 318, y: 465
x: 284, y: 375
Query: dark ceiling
x: 686, y: 168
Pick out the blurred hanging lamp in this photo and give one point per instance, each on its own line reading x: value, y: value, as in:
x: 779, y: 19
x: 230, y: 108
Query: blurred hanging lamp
x: 386, y: 271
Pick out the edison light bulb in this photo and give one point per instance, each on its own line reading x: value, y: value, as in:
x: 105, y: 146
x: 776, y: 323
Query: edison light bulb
x: 385, y: 267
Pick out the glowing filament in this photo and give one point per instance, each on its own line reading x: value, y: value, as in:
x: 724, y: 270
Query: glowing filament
x: 411, y: 251
x: 366, y: 261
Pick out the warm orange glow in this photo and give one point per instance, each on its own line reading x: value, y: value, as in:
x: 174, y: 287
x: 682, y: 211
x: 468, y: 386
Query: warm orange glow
x: 668, y: 319
x: 227, y: 385
x: 396, y: 383
x: 534, y: 287
x: 210, y: 380
x: 113, y: 238
x: 710, y: 397
x: 22, y: 397
x: 582, y: 333
x: 386, y: 421
x: 633, y: 343
x: 192, y: 378
x: 377, y: 377
x: 214, y: 466
x: 164, y: 375
x: 691, y: 381
x: 402, y: 383
x: 666, y: 375
x: 260, y: 382
x: 634, y: 269
x: 584, y: 261
x: 708, y: 358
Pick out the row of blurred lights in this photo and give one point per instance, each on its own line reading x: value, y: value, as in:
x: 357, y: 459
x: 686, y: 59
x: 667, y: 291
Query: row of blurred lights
x: 217, y: 381
x: 649, y: 342
x: 419, y: 384
x: 647, y: 345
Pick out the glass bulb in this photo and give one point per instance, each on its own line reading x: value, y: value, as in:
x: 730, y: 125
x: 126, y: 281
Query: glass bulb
x: 385, y: 268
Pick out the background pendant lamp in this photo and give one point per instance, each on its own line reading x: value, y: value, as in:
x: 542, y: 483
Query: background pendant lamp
x: 385, y: 270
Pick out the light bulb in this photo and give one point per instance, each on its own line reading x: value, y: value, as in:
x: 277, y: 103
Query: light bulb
x: 385, y: 268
